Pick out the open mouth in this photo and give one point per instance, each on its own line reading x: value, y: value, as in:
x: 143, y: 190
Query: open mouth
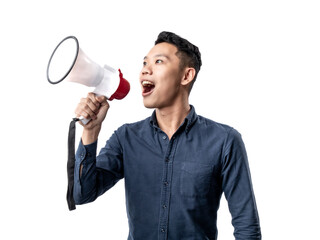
x: 147, y: 87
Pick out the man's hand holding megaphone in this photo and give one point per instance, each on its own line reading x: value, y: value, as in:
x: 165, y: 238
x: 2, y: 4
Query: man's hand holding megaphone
x: 95, y: 108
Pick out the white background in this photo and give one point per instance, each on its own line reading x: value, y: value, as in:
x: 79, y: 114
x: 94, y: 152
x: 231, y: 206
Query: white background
x: 260, y: 75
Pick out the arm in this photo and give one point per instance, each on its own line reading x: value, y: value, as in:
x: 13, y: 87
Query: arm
x: 94, y: 108
x: 95, y: 175
x: 237, y: 187
x: 91, y: 180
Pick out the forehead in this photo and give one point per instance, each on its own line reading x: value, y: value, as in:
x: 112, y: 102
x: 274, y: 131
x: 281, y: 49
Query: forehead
x: 163, y: 49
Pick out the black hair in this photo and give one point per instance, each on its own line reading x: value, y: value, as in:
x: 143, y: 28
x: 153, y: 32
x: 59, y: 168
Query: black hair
x: 188, y: 53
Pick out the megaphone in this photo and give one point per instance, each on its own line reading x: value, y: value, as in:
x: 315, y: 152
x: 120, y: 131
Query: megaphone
x: 68, y: 62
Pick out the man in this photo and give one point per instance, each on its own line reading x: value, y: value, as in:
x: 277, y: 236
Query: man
x: 176, y: 164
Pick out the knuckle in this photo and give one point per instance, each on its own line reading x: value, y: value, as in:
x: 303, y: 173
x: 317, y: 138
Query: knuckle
x: 85, y: 114
x: 86, y: 108
x: 87, y: 101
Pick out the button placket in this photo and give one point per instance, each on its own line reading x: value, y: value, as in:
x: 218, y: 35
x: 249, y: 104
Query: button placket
x: 165, y: 191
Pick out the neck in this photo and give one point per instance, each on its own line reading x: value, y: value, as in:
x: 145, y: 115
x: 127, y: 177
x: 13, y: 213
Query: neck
x: 170, y: 118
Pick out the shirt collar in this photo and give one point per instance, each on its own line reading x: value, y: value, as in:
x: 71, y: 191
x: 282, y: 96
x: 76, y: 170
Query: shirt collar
x: 187, y: 123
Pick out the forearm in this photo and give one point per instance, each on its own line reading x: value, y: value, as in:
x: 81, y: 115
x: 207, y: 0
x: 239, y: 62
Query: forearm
x: 96, y: 174
x: 238, y: 190
x: 85, y: 174
x: 90, y: 136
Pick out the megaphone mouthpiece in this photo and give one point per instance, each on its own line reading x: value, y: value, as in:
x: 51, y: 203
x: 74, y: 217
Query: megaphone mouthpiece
x: 122, y: 90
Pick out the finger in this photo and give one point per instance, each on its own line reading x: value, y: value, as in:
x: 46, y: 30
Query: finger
x: 86, y: 109
x: 88, y: 114
x: 94, y: 106
x: 93, y: 98
x: 105, y: 104
x: 101, y: 99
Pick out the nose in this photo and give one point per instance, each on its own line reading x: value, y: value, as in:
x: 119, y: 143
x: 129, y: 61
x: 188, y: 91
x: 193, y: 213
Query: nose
x: 146, y: 69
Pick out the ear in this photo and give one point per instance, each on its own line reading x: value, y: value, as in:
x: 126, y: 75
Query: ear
x: 188, y: 76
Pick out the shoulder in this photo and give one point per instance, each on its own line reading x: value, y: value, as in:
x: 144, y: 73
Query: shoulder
x: 220, y: 132
x: 211, y: 125
x: 223, y: 135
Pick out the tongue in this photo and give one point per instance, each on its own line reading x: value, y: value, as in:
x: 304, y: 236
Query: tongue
x: 148, y: 88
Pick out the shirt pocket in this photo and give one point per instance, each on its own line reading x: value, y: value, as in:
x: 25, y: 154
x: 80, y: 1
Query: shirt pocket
x: 195, y: 180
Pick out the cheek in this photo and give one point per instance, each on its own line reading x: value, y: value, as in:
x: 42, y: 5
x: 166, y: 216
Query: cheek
x: 170, y: 78
x: 167, y: 85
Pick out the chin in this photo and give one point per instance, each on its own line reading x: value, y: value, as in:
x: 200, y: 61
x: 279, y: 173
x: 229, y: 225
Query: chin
x: 149, y: 104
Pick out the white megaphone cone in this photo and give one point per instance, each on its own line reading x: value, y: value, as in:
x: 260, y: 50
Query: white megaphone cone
x: 68, y: 62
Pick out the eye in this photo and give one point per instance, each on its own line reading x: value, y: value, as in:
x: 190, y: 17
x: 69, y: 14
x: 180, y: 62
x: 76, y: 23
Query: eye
x: 159, y: 61
x: 144, y: 63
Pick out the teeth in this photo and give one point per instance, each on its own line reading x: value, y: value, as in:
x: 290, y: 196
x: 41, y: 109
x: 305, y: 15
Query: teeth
x: 146, y: 83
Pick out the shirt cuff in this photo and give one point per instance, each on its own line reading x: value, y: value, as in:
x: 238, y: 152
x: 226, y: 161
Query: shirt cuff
x: 86, y: 151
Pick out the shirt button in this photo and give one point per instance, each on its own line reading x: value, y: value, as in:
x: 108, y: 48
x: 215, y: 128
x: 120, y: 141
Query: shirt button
x: 163, y: 230
x: 166, y: 183
x: 164, y: 206
x: 164, y: 137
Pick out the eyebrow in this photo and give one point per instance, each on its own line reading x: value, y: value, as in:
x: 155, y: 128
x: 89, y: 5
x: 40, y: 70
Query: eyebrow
x: 157, y: 55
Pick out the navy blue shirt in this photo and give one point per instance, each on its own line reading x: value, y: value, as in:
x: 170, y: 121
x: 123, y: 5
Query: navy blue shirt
x: 173, y: 186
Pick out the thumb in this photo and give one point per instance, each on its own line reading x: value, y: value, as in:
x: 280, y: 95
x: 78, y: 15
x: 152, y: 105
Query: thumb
x: 101, y: 99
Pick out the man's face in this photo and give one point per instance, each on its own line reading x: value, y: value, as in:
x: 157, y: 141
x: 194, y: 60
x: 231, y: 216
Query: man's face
x: 161, y: 76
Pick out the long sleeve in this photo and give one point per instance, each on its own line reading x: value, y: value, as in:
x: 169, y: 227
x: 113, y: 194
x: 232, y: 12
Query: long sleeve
x: 238, y: 190
x: 99, y: 173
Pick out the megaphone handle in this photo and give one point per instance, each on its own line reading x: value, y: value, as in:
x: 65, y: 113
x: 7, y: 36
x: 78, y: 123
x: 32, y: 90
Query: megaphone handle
x: 84, y: 120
